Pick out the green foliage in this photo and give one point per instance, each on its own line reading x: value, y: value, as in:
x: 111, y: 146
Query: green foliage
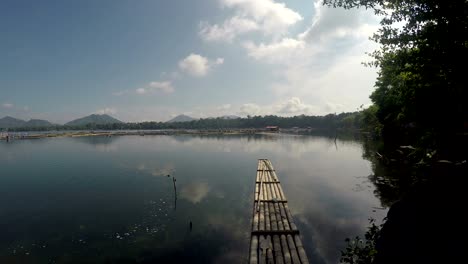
x: 420, y: 88
x: 327, y: 122
x: 362, y: 251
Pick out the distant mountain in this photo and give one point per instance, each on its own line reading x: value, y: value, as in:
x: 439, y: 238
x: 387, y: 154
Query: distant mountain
x: 230, y: 117
x: 94, y: 119
x: 10, y: 122
x: 38, y: 123
x: 181, y: 118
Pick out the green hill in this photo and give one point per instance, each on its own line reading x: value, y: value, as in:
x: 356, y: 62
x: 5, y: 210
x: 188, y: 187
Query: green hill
x: 93, y: 119
x: 10, y: 122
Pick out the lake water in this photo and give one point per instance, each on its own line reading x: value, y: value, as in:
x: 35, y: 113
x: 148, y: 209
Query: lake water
x: 109, y: 200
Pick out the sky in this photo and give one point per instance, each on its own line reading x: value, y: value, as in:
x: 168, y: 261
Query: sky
x: 152, y: 60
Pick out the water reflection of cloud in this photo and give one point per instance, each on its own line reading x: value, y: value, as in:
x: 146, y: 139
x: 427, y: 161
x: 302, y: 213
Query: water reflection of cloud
x: 324, y: 234
x: 294, y: 146
x: 195, y: 192
x: 166, y: 169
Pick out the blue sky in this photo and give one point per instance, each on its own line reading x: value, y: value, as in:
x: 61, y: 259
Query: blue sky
x: 151, y: 60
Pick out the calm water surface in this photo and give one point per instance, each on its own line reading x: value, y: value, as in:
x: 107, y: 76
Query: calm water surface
x: 109, y: 200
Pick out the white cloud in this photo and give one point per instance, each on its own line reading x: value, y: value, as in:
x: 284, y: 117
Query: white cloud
x: 323, y: 63
x: 266, y: 16
x: 197, y: 65
x: 165, y: 87
x: 141, y: 91
x: 292, y: 106
x: 333, y: 32
x: 224, y: 107
x: 250, y: 109
x: 228, y: 30
x: 295, y: 106
x: 329, y: 23
x: 277, y: 51
x: 7, y: 105
x: 107, y: 110
x: 153, y: 87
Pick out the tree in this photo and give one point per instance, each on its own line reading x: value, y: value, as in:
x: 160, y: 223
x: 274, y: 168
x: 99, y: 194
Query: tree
x: 420, y: 89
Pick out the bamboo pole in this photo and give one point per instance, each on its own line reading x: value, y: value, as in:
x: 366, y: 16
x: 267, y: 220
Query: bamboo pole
x: 274, y: 223
x: 262, y: 216
x: 260, y: 190
x: 281, y: 191
x: 253, y: 250
x: 267, y: 217
x: 270, y: 191
x: 286, y: 253
x: 278, y: 187
x: 292, y: 249
x: 255, y: 218
x: 300, y: 249
x: 278, y: 217
x: 290, y: 218
x: 278, y: 196
x: 270, y: 259
x: 257, y: 187
x: 284, y: 218
x: 278, y: 253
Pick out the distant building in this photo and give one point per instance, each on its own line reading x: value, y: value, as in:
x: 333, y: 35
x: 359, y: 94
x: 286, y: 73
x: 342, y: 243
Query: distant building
x: 272, y: 128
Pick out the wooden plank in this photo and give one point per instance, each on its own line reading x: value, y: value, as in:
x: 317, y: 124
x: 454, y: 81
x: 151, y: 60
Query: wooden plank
x: 275, y: 232
x: 271, y: 201
x: 275, y: 238
x: 268, y: 182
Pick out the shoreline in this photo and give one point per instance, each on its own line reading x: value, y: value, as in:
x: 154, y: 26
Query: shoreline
x: 38, y: 135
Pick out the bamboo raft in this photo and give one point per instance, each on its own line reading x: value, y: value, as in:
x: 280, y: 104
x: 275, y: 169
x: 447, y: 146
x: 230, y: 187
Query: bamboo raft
x: 275, y: 238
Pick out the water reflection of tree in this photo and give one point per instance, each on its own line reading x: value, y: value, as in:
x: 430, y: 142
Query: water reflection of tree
x: 391, y: 181
x: 424, y: 200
